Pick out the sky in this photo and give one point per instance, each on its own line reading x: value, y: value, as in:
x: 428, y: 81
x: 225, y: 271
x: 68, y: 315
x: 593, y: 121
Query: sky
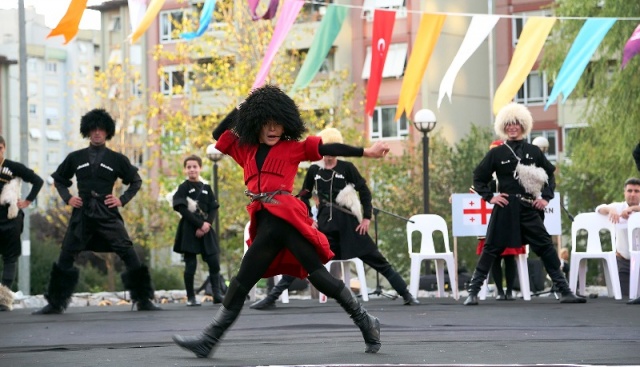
x: 54, y: 10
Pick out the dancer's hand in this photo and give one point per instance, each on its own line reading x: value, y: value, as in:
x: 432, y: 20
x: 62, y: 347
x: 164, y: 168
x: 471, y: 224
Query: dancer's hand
x: 500, y: 200
x: 377, y: 150
x: 206, y: 227
x: 75, y: 202
x: 23, y: 204
x: 199, y: 233
x: 363, y: 228
x: 540, y: 204
x: 112, y: 201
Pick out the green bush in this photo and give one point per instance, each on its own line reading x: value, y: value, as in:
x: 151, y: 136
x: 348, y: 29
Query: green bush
x: 168, y: 278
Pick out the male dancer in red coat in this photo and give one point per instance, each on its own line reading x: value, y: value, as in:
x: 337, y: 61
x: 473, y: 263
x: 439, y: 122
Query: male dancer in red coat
x: 264, y: 137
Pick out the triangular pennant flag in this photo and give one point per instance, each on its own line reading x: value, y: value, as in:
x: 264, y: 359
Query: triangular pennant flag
x: 288, y: 15
x: 152, y: 11
x: 530, y: 43
x: 68, y: 25
x: 269, y: 14
x: 479, y: 29
x: 589, y: 38
x: 320, y: 46
x: 428, y: 34
x: 205, y: 19
x: 632, y: 47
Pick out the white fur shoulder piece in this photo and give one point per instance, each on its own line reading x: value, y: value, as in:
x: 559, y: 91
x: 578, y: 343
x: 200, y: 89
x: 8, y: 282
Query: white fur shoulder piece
x: 348, y: 197
x: 532, y: 178
x: 192, y: 205
x: 6, y: 297
x: 10, y: 195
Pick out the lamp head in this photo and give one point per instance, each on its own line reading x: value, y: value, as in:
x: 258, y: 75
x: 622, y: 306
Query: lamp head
x: 542, y: 143
x: 214, y: 154
x: 424, y: 120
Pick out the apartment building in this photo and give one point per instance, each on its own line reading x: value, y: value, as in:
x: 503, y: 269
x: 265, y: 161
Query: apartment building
x: 59, y: 77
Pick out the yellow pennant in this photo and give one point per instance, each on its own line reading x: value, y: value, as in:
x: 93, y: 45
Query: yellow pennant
x: 428, y: 34
x: 152, y: 11
x: 68, y: 25
x: 534, y: 34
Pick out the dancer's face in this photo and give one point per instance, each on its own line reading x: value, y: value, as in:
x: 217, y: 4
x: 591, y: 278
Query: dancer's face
x: 330, y: 161
x: 514, y: 131
x: 98, y: 137
x: 192, y: 169
x: 270, y: 133
x: 2, y: 148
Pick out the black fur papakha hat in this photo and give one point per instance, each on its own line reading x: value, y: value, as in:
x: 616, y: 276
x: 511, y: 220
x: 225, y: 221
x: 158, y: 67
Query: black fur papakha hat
x: 97, y: 119
x: 265, y: 104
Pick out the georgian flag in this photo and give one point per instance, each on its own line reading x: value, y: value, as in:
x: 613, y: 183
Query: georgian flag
x: 476, y: 211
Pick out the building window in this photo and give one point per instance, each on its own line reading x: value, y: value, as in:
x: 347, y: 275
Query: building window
x: 517, y: 24
x: 552, y: 137
x: 115, y: 24
x: 52, y: 67
x: 33, y: 109
x: 534, y: 90
x: 172, y: 82
x: 393, y: 66
x: 171, y: 25
x: 383, y: 125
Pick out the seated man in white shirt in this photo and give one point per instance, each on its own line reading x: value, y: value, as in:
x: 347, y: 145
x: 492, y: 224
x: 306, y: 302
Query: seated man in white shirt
x: 618, y: 213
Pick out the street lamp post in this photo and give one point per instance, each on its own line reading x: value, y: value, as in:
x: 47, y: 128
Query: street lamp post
x: 425, y: 121
x: 215, y: 156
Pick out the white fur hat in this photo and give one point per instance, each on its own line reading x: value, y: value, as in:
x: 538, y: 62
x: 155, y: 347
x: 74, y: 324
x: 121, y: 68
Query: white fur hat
x: 330, y: 135
x: 513, y: 112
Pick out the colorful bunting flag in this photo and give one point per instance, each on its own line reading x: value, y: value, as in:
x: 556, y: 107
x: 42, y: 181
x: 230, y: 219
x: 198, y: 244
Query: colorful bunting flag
x: 583, y: 47
x: 479, y: 29
x: 137, y: 8
x: 152, y: 11
x: 68, y: 25
x: 320, y: 46
x: 205, y: 19
x: 383, y: 21
x: 532, y: 39
x: 426, y: 39
x: 632, y: 47
x: 288, y: 15
x: 269, y: 14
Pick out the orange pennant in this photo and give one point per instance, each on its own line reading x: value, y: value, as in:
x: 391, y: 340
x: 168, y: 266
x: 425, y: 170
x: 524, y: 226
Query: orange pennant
x: 68, y: 25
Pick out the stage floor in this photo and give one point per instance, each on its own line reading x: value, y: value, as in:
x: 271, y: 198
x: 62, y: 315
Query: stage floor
x: 304, y: 332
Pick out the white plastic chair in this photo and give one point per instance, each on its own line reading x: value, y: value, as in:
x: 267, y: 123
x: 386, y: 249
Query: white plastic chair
x: 523, y: 277
x: 633, y: 224
x: 426, y: 224
x: 252, y: 292
x: 593, y: 223
x: 364, y: 291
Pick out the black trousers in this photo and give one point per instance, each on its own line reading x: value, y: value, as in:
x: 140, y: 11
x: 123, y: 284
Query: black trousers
x: 273, y: 235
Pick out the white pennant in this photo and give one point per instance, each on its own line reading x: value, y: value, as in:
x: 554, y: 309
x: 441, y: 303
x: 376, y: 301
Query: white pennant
x: 479, y: 29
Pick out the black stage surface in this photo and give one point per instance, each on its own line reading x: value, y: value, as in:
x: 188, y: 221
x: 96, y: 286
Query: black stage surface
x: 305, y: 332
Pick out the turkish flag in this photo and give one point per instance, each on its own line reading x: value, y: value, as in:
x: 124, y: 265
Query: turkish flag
x: 383, y: 21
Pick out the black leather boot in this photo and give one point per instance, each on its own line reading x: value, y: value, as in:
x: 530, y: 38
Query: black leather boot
x: 474, y: 287
x: 188, y: 286
x: 216, y: 288
x: 552, y: 265
x: 59, y: 291
x: 334, y: 288
x: 269, y: 302
x: 138, y: 282
x: 202, y: 345
x: 369, y: 325
x: 400, y: 286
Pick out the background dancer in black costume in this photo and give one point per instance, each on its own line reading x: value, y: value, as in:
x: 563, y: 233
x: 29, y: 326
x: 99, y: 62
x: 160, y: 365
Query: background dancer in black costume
x: 526, y: 185
x: 95, y: 223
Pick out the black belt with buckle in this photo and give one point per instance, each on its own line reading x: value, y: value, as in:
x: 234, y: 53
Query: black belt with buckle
x: 266, y: 197
x: 526, y: 199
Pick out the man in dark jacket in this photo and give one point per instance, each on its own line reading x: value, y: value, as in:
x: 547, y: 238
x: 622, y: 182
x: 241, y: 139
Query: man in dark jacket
x: 526, y: 186
x: 96, y: 224
x: 12, y: 218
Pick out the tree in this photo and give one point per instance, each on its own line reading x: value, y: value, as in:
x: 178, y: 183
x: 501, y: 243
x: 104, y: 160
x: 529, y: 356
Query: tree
x: 600, y: 154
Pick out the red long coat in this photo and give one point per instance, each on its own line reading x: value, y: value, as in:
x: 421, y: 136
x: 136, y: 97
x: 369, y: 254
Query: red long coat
x: 278, y: 173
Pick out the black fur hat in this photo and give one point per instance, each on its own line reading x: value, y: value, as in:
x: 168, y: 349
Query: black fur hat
x: 97, y: 119
x: 268, y: 103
